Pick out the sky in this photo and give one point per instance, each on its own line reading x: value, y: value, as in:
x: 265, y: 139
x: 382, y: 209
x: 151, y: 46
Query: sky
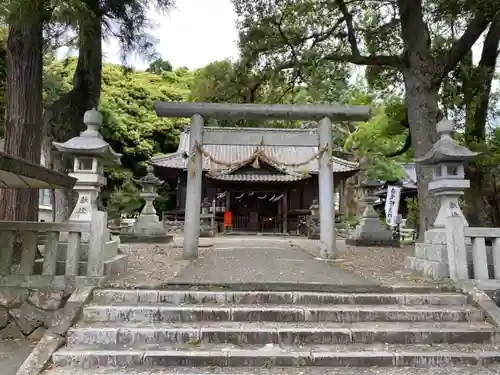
x: 193, y: 34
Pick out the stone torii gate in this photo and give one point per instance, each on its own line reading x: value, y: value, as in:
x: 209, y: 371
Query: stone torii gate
x: 201, y: 112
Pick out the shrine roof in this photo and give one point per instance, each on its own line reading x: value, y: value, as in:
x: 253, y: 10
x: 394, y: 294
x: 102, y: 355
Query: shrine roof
x: 244, y: 177
x: 236, y: 153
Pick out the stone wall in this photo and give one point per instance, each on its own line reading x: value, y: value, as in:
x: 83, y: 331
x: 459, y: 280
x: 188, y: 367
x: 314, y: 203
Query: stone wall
x: 28, y: 313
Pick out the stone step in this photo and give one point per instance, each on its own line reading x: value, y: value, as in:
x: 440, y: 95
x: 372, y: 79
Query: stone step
x: 273, y: 355
x: 114, y: 265
x: 466, y: 370
x: 178, y: 297
x: 261, y: 333
x: 280, y: 313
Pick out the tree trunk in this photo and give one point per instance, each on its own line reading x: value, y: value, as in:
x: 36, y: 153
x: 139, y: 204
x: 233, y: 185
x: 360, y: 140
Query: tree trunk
x: 421, y: 99
x: 481, y: 200
x: 64, y: 118
x: 481, y: 208
x: 423, y: 111
x: 23, y: 99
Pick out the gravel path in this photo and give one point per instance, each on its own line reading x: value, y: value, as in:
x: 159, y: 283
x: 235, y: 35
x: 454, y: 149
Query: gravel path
x: 385, y: 264
x: 152, y: 265
x: 254, y: 259
x: 245, y: 258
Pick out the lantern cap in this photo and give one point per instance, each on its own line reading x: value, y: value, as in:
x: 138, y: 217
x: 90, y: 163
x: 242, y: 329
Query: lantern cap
x: 90, y: 142
x: 446, y: 149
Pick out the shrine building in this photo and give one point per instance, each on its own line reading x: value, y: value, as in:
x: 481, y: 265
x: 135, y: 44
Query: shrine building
x: 267, y: 189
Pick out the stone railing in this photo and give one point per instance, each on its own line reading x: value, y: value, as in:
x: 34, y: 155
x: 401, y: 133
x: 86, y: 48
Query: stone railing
x: 27, y: 234
x: 473, y: 253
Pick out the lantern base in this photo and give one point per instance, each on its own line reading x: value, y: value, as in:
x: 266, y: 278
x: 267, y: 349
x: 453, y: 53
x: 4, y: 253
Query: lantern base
x: 431, y: 256
x: 126, y: 238
x: 362, y: 242
x: 372, y: 232
x: 313, y: 229
x: 206, y: 230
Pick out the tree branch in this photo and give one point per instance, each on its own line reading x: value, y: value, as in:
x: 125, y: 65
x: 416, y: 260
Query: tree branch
x: 370, y: 60
x: 356, y: 57
x: 475, y: 28
x: 351, y: 34
x: 298, y: 73
x: 486, y: 67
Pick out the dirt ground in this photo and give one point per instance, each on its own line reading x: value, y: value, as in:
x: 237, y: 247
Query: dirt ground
x: 384, y: 264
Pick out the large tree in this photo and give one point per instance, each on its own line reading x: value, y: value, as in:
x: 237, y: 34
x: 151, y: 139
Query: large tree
x: 23, y: 100
x: 468, y: 95
x: 412, y: 39
x: 124, y: 20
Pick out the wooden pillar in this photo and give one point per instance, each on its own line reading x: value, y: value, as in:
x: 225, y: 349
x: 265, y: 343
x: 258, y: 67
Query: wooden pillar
x: 228, y: 206
x: 341, y: 196
x: 193, y: 190
x: 285, y: 211
x: 326, y: 205
x: 228, y: 201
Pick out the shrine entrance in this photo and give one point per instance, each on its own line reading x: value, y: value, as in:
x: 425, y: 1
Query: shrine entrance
x: 259, y: 137
x: 256, y: 212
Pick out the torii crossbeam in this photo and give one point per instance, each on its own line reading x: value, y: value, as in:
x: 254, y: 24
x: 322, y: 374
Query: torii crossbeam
x: 199, y: 113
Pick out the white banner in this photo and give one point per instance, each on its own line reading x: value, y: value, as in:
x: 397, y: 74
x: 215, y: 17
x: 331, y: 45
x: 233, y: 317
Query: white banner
x: 392, y: 204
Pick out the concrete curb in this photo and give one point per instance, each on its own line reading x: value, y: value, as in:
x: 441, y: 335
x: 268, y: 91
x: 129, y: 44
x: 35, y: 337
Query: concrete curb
x: 482, y: 300
x: 55, y: 337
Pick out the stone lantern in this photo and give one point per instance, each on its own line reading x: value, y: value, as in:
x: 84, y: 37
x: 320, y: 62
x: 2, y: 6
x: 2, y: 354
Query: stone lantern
x: 90, y: 153
x: 148, y: 228
x: 370, y: 230
x: 448, y: 175
x: 313, y: 228
x: 206, y: 226
x: 448, y: 160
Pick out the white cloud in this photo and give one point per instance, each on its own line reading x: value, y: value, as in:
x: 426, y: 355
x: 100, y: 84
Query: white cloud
x: 194, y: 34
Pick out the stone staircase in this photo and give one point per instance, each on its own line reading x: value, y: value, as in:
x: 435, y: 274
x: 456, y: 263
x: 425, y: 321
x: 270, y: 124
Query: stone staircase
x: 172, y: 328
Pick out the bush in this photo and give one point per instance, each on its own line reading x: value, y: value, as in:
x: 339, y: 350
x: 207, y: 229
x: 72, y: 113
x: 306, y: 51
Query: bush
x: 413, y: 219
x: 124, y: 200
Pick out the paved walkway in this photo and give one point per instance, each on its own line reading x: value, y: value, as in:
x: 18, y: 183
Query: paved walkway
x: 12, y: 355
x: 255, y: 259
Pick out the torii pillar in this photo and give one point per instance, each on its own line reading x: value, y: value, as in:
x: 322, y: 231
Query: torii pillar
x: 322, y: 138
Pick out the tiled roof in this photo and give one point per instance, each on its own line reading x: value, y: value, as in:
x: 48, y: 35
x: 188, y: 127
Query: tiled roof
x: 236, y: 153
x: 244, y: 177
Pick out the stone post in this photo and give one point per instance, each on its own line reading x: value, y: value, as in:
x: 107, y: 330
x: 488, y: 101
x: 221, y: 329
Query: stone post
x: 370, y: 230
x: 326, y: 196
x: 193, y: 189
x: 206, y: 229
x: 314, y: 222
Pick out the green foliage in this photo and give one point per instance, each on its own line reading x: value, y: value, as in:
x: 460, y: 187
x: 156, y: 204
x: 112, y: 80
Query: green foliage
x: 124, y: 200
x: 214, y: 83
x: 159, y: 66
x: 3, y: 77
x: 165, y: 199
x: 413, y: 218
x: 374, y: 139
x: 131, y: 125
